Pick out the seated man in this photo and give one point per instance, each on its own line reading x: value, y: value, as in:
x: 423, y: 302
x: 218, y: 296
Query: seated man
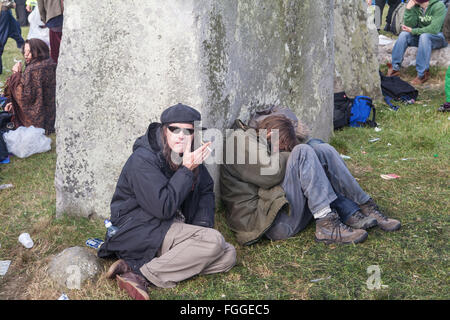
x: 423, y: 29
x: 305, y: 182
x: 164, y: 208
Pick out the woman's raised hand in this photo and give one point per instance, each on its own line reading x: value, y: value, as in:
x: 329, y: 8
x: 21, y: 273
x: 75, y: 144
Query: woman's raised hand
x: 8, y: 107
x: 17, y: 67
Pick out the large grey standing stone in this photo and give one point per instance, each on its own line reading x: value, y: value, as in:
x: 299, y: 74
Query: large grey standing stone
x: 356, y: 45
x: 120, y: 67
x: 73, y: 266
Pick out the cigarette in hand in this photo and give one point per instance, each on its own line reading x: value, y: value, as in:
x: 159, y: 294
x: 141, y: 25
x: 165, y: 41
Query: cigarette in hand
x: 209, y: 149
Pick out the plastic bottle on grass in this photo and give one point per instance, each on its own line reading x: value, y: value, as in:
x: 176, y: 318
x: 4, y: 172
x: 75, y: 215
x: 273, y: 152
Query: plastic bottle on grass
x: 110, y: 229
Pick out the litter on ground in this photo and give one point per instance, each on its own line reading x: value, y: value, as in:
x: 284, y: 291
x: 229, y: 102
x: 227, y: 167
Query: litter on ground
x: 4, y: 266
x: 320, y: 279
x: 389, y: 176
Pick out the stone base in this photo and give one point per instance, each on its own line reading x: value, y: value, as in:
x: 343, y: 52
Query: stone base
x: 73, y: 266
x: 439, y: 57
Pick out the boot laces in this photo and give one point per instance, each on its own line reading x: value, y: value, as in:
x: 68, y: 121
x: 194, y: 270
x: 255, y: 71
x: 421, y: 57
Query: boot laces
x: 376, y: 210
x: 338, y: 226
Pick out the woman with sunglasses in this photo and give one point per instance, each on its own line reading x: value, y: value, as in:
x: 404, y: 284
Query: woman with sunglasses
x: 164, y: 208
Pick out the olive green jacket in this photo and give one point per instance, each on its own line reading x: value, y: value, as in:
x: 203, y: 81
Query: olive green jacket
x: 252, y: 199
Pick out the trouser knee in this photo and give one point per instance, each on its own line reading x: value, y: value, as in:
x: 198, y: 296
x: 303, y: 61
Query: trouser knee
x: 302, y: 149
x: 425, y: 40
x: 215, y: 239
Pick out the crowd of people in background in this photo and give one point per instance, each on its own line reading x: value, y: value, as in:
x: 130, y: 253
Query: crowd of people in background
x: 30, y: 91
x: 426, y: 25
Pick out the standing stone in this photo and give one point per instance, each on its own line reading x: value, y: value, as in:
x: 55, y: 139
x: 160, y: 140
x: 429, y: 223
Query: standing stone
x: 123, y: 63
x: 355, y: 45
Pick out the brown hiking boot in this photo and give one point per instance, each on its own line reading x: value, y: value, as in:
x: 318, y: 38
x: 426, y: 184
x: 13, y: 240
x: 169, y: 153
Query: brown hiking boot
x: 331, y: 230
x: 360, y: 221
x: 391, y: 72
x: 421, y: 80
x: 134, y: 284
x: 370, y: 209
x: 118, y: 267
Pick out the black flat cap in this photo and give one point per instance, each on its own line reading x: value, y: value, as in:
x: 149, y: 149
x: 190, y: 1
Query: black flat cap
x: 180, y: 113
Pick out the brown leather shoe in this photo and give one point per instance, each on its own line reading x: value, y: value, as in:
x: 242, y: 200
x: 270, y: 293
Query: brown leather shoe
x: 391, y: 72
x: 360, y: 221
x: 118, y: 267
x: 370, y: 209
x: 331, y: 230
x: 421, y: 80
x: 134, y: 284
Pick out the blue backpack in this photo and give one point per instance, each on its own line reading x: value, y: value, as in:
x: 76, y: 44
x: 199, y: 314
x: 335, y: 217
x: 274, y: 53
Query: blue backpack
x: 360, y: 112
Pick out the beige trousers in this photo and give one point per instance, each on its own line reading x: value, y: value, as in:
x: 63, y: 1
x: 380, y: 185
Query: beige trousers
x: 189, y: 250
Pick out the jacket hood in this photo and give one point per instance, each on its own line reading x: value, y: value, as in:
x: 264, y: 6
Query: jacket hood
x: 151, y: 140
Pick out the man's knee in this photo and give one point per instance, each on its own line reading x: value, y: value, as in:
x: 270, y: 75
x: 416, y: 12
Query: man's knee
x: 403, y: 35
x: 425, y: 38
x: 302, y: 149
x: 216, y: 241
x: 324, y: 150
x: 231, y: 257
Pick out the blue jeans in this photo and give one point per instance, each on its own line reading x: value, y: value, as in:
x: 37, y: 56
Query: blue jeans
x: 316, y: 177
x: 426, y: 42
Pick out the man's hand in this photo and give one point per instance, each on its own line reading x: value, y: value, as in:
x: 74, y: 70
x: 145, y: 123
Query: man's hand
x: 192, y: 160
x: 407, y: 29
x: 410, y: 4
x: 29, y: 9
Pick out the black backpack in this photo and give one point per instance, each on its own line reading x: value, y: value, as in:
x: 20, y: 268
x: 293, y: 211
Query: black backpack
x: 342, y: 110
x: 5, y: 126
x: 397, y: 89
x: 3, y: 148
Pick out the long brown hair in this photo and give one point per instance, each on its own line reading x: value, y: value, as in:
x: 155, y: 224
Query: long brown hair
x: 38, y: 48
x: 287, y: 135
x: 167, y: 152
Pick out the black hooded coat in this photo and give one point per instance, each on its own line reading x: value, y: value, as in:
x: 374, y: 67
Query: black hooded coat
x: 147, y: 197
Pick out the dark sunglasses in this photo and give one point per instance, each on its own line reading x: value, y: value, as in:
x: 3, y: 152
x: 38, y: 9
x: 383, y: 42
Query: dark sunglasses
x: 177, y: 130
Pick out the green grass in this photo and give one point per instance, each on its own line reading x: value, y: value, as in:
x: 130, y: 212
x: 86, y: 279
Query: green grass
x: 413, y: 261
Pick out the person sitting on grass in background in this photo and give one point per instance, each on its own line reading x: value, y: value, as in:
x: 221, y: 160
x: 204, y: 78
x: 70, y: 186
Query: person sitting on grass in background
x: 307, y: 181
x: 31, y: 93
x: 422, y: 28
x: 164, y: 207
x: 446, y: 31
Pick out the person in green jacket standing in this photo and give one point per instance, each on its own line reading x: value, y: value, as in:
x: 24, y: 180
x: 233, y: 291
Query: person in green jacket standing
x: 422, y: 28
